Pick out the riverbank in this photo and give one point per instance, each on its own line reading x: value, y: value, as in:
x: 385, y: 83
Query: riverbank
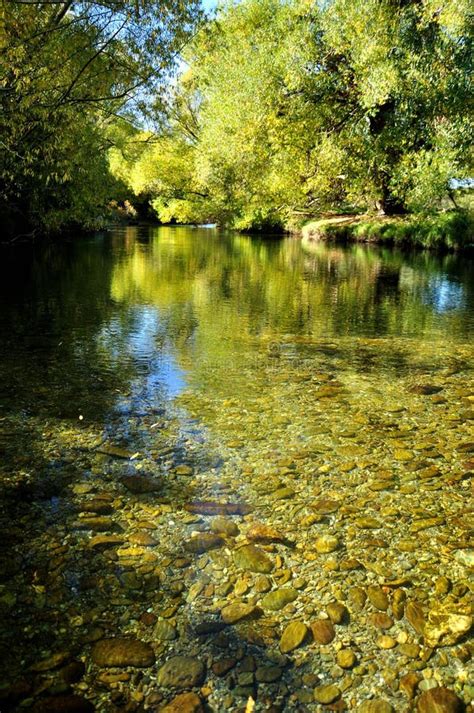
x: 452, y: 230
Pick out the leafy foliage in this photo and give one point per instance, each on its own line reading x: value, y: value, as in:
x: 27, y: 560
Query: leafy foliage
x: 68, y: 69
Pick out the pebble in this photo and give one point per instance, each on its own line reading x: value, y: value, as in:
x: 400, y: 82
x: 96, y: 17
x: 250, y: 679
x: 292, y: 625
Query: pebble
x: 181, y: 672
x: 326, y: 694
x: 376, y: 705
x: 323, y: 631
x: 279, y: 598
x: 184, y: 703
x: 293, y: 636
x: 439, y: 700
x: 250, y: 558
x: 346, y: 658
x: 122, y: 652
x: 326, y: 544
x: 337, y: 612
x: 237, y: 611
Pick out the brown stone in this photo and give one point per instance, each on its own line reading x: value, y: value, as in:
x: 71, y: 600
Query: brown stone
x: 184, y: 703
x: 337, y: 612
x: 415, y: 615
x: 293, y: 636
x: 376, y: 705
x: 258, y: 532
x: 380, y: 620
x: 439, y: 700
x: 378, y: 598
x: 140, y: 484
x: 409, y: 683
x: 203, y: 542
x: 223, y: 666
x: 181, y: 672
x: 237, y: 611
x: 323, y: 631
x: 122, y: 652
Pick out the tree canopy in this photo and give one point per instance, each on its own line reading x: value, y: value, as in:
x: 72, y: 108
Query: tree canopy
x: 280, y: 110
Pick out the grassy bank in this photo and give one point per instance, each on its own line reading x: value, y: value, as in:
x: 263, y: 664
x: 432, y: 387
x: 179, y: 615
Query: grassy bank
x: 452, y: 230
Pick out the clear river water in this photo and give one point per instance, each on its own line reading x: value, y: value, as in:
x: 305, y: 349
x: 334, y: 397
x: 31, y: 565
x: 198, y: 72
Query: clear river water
x: 235, y: 475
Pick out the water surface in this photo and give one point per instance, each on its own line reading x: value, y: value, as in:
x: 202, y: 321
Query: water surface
x: 234, y: 369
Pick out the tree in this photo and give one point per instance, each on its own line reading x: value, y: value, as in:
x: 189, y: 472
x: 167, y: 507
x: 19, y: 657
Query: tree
x: 68, y: 69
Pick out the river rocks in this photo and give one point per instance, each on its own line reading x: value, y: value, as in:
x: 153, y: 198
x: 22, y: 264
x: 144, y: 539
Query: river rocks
x: 223, y: 526
x: 278, y: 599
x: 376, y: 705
x: 326, y: 544
x: 54, y: 661
x: 104, y: 542
x: 446, y: 625
x: 409, y: 683
x: 415, y: 615
x: 141, y: 484
x: 326, y: 694
x: 181, y: 672
x: 237, y: 611
x: 122, y: 652
x: 268, y: 674
x: 293, y: 636
x: 211, y: 507
x: 184, y: 703
x: 346, y: 658
x: 252, y: 559
x: 258, y: 532
x: 380, y: 620
x: 164, y: 631
x: 425, y: 389
x: 184, y: 469
x: 378, y: 598
x: 439, y: 700
x: 203, y: 541
x: 323, y: 631
x: 337, y: 612
x: 326, y: 506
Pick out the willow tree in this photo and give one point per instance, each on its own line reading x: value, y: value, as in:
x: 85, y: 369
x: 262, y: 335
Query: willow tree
x: 69, y: 67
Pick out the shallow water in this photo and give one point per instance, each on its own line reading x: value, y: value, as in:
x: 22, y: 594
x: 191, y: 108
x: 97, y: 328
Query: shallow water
x: 330, y: 390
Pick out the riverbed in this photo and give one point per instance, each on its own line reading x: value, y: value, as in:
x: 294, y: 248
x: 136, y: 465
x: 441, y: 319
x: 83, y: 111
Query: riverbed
x: 235, y: 472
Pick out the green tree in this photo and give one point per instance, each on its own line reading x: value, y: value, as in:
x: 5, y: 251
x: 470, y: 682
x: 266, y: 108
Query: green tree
x: 68, y: 68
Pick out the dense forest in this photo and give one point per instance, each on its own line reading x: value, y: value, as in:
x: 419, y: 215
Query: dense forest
x: 268, y: 114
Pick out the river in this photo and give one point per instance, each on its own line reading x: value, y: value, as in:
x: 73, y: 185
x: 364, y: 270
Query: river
x: 234, y: 470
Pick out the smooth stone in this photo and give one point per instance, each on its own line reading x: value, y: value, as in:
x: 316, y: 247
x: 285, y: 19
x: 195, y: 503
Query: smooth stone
x: 183, y: 470
x: 222, y: 526
x: 293, y: 636
x: 326, y: 506
x: 98, y: 506
x: 258, y: 532
x: 52, y: 662
x: 337, y: 612
x: 184, y: 703
x: 346, y: 658
x: 268, y: 674
x: 233, y: 613
x: 109, y: 449
x: 326, y: 694
x: 377, y: 597
x: 143, y: 539
x: 223, y: 666
x: 104, y: 542
x: 326, y: 544
x: 63, y: 704
x: 122, y: 652
x: 164, y: 631
x: 96, y: 524
x: 368, y: 523
x: 140, y: 484
x: 439, y: 700
x: 380, y: 620
x: 358, y: 597
x: 323, y: 631
x: 425, y: 389
x: 283, y: 494
x: 409, y: 683
x: 415, y: 615
x: 211, y: 507
x: 252, y: 559
x: 278, y: 599
x: 386, y: 642
x: 203, y: 542
x: 181, y: 672
x: 376, y: 705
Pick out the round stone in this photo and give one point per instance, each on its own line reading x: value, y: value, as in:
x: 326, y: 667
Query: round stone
x: 326, y: 694
x: 439, y: 700
x: 346, y: 658
x: 293, y: 636
x: 181, y: 672
x: 326, y: 544
x: 323, y: 631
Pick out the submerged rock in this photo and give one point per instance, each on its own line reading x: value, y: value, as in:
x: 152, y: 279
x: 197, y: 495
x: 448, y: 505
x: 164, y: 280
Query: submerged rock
x: 293, y: 636
x: 439, y: 700
x: 252, y: 559
x: 278, y: 599
x: 203, y: 542
x: 184, y: 703
x: 181, y: 672
x: 237, y: 611
x: 123, y: 652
